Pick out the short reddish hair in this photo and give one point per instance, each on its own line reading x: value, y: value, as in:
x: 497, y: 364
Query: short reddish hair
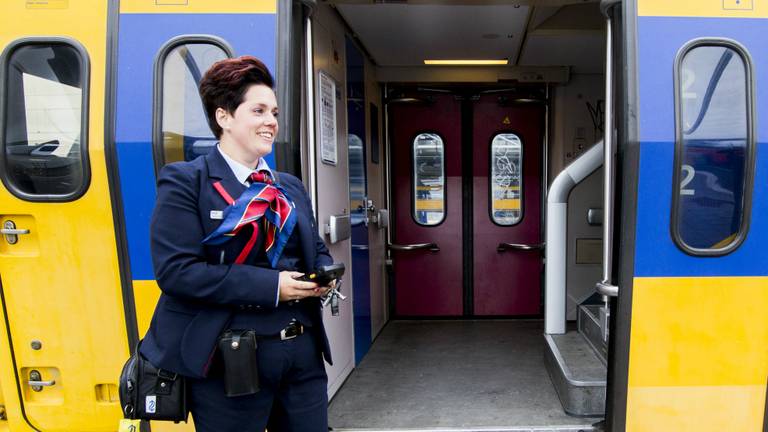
x: 224, y: 85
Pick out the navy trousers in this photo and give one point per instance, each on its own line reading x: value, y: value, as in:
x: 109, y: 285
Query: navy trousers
x: 292, y: 395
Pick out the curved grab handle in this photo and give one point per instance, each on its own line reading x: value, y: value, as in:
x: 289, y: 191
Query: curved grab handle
x: 518, y: 246
x: 416, y: 246
x: 607, y: 289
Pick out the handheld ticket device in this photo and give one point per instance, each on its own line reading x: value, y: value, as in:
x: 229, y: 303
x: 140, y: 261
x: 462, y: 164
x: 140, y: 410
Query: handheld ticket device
x: 323, y: 276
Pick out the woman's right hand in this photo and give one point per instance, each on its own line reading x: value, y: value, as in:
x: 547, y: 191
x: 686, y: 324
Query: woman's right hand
x: 292, y: 289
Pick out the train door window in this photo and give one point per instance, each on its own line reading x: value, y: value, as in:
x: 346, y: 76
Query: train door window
x: 181, y: 131
x: 44, y: 127
x: 506, y: 179
x: 428, y: 179
x: 715, y: 144
x: 357, y: 180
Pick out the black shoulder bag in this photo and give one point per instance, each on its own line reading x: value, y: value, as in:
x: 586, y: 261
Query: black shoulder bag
x: 149, y: 393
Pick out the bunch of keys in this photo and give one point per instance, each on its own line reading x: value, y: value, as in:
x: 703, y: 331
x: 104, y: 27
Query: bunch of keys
x: 333, y: 297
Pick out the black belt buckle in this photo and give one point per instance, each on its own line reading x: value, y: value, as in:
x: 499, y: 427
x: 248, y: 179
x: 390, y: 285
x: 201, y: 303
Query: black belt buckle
x: 291, y: 331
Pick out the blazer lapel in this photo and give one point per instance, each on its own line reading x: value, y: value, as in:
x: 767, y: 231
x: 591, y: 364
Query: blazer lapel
x: 218, y: 170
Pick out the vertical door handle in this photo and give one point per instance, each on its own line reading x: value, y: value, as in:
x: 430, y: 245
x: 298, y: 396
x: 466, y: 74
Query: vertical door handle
x: 605, y: 287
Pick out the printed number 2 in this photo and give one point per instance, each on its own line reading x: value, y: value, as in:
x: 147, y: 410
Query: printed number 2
x: 690, y: 172
x: 150, y: 405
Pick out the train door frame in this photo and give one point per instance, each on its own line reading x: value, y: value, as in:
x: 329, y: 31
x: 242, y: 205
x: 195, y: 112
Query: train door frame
x: 327, y: 182
x: 628, y: 159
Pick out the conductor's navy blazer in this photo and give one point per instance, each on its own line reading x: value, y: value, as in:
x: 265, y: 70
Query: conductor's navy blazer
x: 201, y: 287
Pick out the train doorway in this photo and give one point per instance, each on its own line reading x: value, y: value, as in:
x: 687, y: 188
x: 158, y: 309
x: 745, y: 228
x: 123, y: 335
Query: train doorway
x: 468, y: 152
x: 467, y: 182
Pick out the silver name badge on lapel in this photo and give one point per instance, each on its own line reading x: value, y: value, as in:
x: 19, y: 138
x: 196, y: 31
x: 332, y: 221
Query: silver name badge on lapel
x: 217, y: 214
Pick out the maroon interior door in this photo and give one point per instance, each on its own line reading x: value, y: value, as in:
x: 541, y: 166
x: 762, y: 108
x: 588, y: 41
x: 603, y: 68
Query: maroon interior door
x: 426, y: 194
x: 507, y: 165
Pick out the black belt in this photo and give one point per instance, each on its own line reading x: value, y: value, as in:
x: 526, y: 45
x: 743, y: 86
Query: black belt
x: 291, y: 331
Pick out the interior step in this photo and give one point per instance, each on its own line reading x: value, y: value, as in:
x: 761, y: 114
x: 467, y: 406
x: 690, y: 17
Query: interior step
x: 589, y: 326
x: 577, y: 372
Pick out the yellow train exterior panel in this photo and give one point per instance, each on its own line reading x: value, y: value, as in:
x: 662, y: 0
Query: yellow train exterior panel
x: 696, y: 408
x: 698, y: 358
x: 198, y: 6
x: 61, y: 285
x: 704, y: 8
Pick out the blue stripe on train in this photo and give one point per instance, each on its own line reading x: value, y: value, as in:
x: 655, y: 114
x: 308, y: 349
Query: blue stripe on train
x: 657, y: 255
x: 140, y: 38
x: 659, y: 40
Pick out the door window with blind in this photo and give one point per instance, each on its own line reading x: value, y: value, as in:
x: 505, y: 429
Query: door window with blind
x: 182, y: 132
x: 715, y: 143
x: 44, y: 126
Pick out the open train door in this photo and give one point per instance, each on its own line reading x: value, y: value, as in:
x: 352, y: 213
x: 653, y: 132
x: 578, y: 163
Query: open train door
x: 689, y: 342
x: 64, y: 327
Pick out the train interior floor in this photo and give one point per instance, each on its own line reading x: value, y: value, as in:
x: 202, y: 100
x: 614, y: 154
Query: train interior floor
x: 484, y: 375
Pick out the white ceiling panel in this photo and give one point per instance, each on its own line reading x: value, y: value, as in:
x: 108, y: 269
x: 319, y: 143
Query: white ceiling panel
x: 406, y: 35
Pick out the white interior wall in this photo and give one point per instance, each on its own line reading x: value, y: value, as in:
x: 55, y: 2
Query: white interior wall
x: 332, y: 185
x: 577, y: 119
x: 581, y: 276
x: 576, y: 125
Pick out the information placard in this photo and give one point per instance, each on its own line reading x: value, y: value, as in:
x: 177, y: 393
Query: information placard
x: 328, y: 151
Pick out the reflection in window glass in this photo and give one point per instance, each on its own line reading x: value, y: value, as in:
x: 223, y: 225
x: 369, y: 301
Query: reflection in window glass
x: 429, y: 179
x: 506, y: 179
x: 713, y: 125
x: 44, y: 120
x: 186, y: 134
x: 357, y: 180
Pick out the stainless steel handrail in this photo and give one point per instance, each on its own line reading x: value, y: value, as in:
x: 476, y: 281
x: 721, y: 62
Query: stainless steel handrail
x: 605, y: 287
x: 416, y: 246
x: 518, y: 246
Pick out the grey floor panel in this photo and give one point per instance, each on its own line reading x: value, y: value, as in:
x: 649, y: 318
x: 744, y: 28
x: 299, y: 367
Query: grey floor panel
x: 453, y: 374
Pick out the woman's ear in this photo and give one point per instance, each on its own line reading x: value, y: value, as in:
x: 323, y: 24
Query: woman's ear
x: 222, y: 118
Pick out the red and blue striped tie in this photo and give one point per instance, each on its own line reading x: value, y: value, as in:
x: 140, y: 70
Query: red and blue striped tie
x: 264, y: 199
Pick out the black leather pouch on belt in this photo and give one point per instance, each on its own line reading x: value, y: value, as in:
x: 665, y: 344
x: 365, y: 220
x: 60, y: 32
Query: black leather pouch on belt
x: 241, y: 370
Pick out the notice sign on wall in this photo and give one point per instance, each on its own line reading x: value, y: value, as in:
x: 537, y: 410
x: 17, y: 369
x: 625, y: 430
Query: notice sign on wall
x: 328, y: 151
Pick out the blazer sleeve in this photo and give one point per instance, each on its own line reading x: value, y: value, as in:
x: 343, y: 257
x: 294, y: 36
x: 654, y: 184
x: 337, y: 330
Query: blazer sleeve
x: 178, y: 255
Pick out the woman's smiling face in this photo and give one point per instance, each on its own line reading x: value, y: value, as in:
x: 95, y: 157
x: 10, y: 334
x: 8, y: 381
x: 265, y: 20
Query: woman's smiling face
x: 252, y: 128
